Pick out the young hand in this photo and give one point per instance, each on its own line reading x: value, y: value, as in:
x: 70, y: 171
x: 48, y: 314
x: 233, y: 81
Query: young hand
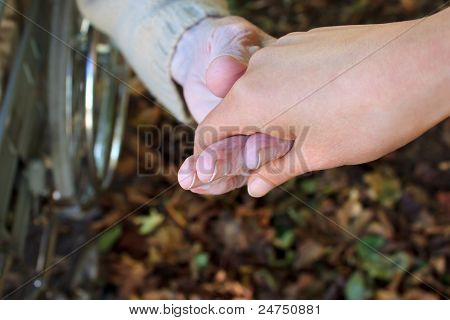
x: 346, y: 95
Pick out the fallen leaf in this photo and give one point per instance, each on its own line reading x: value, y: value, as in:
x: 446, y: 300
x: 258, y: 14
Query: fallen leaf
x: 106, y: 241
x: 147, y: 224
x: 309, y: 252
x: 356, y: 287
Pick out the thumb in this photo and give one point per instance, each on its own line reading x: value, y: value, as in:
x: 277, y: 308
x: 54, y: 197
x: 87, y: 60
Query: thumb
x: 231, y: 47
x: 222, y: 73
x: 275, y: 173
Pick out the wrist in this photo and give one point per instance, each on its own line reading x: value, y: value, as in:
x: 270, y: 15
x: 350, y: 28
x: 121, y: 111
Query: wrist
x: 418, y: 76
x: 433, y: 41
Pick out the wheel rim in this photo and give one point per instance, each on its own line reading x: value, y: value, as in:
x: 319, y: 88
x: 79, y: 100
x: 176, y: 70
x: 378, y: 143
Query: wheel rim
x: 87, y: 130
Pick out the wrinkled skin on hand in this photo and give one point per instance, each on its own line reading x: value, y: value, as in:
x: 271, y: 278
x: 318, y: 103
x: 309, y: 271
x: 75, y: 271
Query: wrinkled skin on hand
x: 209, y: 59
x: 227, y: 164
x: 211, y: 56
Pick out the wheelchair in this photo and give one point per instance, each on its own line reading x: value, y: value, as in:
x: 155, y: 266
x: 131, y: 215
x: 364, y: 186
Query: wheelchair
x: 63, y: 106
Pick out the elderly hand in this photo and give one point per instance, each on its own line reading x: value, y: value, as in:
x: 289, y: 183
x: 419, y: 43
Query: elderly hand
x: 227, y: 164
x: 211, y: 56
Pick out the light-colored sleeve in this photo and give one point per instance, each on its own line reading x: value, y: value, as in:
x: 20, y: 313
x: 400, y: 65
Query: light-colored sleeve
x: 147, y: 32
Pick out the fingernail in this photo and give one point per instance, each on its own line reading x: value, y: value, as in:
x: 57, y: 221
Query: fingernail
x: 259, y: 159
x: 254, y: 159
x: 214, y: 173
x: 259, y: 187
x: 206, y: 166
x: 193, y: 182
x: 229, y: 170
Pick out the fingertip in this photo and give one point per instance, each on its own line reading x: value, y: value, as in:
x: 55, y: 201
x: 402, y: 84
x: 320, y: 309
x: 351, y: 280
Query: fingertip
x: 262, y: 148
x: 186, y: 173
x: 186, y: 181
x: 206, y: 166
x: 258, y: 187
x: 273, y: 174
x: 254, y: 149
x: 252, y: 160
x: 222, y: 73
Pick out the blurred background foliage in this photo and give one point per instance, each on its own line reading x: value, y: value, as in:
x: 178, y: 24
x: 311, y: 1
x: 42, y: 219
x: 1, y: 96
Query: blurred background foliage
x: 181, y: 245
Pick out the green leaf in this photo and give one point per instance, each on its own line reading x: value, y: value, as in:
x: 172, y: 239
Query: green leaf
x: 281, y: 262
x: 299, y: 217
x: 202, y: 260
x: 285, y: 240
x: 378, y: 265
x: 366, y: 246
x: 309, y: 186
x: 356, y: 287
x: 402, y: 261
x: 147, y: 224
x: 109, y: 238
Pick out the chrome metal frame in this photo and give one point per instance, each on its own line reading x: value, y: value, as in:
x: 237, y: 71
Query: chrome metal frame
x: 20, y: 122
x: 84, y: 140
x: 105, y: 147
x: 89, y: 132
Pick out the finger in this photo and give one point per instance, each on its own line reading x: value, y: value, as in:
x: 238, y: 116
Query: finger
x: 238, y: 155
x: 222, y: 158
x: 222, y: 185
x: 262, y: 148
x: 222, y: 73
x: 187, y: 176
x: 232, y: 45
x: 274, y: 173
x: 188, y: 180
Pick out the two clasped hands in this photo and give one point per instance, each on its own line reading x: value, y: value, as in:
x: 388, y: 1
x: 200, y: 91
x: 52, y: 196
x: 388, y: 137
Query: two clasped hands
x: 272, y: 109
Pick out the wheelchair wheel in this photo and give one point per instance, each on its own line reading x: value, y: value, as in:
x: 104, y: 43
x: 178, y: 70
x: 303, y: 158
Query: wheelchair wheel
x: 63, y: 145
x: 88, y: 98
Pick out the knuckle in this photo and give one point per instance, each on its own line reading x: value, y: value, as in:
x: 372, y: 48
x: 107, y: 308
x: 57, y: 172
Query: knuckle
x: 289, y: 38
x: 259, y: 57
x: 238, y: 27
x: 286, y: 38
x: 274, y: 171
x: 232, y: 21
x: 233, y: 27
x: 240, y: 91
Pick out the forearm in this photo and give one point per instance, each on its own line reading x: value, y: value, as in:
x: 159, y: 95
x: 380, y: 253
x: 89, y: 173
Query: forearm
x: 431, y: 72
x: 440, y: 44
x: 433, y: 67
x: 410, y: 78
